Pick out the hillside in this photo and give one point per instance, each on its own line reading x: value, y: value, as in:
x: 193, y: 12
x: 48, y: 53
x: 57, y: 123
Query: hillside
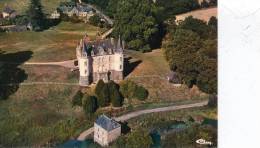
x: 203, y: 14
x: 21, y: 5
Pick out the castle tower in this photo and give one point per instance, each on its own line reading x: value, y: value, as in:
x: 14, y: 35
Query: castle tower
x: 84, y: 63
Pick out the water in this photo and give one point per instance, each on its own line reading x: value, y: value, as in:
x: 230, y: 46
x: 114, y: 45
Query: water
x: 157, y: 134
x: 89, y: 143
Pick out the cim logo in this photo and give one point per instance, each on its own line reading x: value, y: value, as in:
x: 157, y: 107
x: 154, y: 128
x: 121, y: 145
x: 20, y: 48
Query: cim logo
x: 203, y: 142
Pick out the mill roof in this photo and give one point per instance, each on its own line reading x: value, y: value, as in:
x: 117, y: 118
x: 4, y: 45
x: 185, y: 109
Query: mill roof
x: 107, y: 123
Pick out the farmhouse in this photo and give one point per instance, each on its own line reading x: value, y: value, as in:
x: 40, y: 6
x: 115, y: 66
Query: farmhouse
x: 8, y: 13
x: 55, y: 15
x: 79, y: 10
x: 101, y: 59
x: 106, y: 130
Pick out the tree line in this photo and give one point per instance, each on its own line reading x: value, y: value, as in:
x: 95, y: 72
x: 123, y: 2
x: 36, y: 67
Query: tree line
x: 191, y: 50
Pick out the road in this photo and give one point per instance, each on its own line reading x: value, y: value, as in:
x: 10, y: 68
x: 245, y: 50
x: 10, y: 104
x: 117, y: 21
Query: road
x: 67, y: 64
x: 109, y: 20
x: 134, y: 114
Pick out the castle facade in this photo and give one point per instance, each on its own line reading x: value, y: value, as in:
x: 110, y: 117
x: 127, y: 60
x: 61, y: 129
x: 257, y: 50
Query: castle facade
x: 100, y: 59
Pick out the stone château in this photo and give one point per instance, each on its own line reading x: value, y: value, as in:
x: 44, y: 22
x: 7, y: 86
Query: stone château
x: 100, y: 59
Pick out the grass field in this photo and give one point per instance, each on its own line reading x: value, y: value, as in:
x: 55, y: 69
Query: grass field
x: 56, y: 44
x: 203, y: 14
x: 151, y: 70
x: 21, y: 5
x: 38, y: 115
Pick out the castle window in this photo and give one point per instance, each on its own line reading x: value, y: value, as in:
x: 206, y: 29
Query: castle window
x: 121, y: 59
x: 120, y: 66
x: 86, y: 71
x: 85, y: 63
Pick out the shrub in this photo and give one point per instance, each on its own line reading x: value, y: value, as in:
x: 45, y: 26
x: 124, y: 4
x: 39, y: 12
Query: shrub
x: 95, y: 20
x: 102, y: 93
x: 130, y: 90
x: 89, y: 104
x: 77, y: 99
x: 141, y: 93
x: 138, y: 138
x: 114, y: 94
x: 213, y: 101
x: 127, y: 89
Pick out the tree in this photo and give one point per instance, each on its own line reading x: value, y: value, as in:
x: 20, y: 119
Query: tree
x: 89, y: 104
x: 141, y: 93
x: 196, y: 25
x: 102, y: 93
x: 213, y: 22
x: 207, y: 78
x: 136, y: 21
x: 128, y: 89
x: 181, y: 54
x: 139, y: 138
x: 114, y: 94
x: 77, y: 99
x: 95, y: 20
x: 204, y: 4
x: 213, y: 101
x: 36, y: 15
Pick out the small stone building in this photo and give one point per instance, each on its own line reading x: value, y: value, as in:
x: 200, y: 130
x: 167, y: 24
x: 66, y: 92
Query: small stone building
x: 106, y: 130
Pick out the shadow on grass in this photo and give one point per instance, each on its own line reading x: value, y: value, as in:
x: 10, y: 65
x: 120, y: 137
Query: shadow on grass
x: 10, y: 73
x: 124, y: 127
x: 211, y: 122
x: 130, y: 66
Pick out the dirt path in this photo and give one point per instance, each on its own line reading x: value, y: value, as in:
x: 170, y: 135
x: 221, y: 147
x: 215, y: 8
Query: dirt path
x: 67, y: 64
x: 128, y: 116
x: 40, y: 83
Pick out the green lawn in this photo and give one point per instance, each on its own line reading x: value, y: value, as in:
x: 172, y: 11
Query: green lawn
x: 56, y: 44
x: 21, y: 5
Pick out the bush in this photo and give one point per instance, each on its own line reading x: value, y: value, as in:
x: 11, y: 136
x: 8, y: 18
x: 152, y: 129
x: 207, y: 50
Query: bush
x: 77, y: 99
x: 102, y: 93
x: 130, y: 90
x: 114, y: 94
x: 89, y: 104
x: 141, y: 93
x: 213, y: 101
x: 138, y: 139
x: 95, y: 20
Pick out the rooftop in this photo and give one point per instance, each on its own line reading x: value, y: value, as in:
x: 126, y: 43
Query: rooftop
x: 107, y: 123
x: 8, y: 10
x: 101, y: 47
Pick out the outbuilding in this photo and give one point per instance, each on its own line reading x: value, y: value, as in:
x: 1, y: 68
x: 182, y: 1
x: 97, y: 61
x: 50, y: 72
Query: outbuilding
x: 106, y: 130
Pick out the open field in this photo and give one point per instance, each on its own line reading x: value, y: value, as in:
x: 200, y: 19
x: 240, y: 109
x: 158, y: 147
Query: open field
x: 38, y: 115
x: 151, y: 70
x: 21, y: 5
x: 56, y: 44
x: 203, y: 14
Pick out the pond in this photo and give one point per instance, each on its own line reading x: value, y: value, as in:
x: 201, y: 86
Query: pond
x: 89, y: 143
x: 156, y: 134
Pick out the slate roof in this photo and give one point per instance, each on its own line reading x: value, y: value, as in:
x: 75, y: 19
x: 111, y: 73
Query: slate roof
x: 8, y: 10
x: 107, y: 123
x: 174, y: 77
x: 102, y: 47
